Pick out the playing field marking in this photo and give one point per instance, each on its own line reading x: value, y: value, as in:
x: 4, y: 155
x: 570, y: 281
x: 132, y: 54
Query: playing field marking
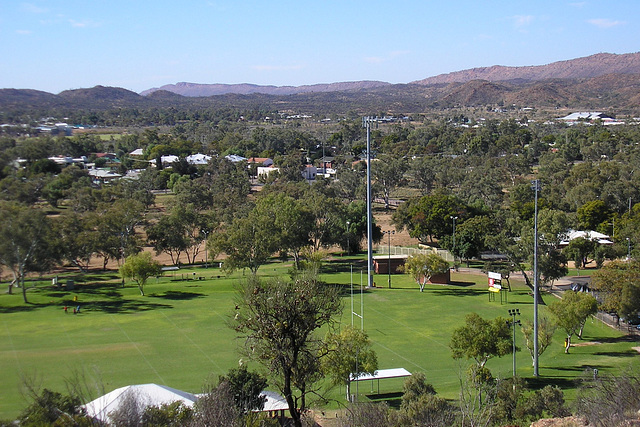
x: 13, y: 347
x: 138, y: 349
x: 192, y: 342
x: 400, y: 356
x: 410, y: 328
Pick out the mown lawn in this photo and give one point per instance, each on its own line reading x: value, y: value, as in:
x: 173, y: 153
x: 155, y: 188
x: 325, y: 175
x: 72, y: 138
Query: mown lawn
x: 179, y: 334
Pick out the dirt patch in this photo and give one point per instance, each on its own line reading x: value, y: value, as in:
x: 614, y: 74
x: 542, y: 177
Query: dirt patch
x: 585, y: 344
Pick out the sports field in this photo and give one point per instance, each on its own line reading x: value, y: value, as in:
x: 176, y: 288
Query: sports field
x: 178, y: 333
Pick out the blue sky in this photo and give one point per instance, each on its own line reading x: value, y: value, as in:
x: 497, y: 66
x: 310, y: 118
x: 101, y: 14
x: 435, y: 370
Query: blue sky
x: 139, y: 44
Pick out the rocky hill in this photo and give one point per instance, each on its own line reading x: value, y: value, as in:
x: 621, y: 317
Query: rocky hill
x: 580, y: 68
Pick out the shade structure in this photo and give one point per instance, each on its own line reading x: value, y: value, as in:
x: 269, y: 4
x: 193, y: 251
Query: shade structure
x: 146, y: 394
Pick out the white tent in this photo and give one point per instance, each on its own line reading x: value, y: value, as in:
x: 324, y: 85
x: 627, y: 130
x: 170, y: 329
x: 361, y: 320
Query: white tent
x: 146, y: 394
x: 156, y: 395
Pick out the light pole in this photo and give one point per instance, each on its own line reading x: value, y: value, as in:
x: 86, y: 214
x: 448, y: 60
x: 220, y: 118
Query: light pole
x: 628, y: 248
x: 389, y: 233
x: 348, y: 231
x: 536, y: 188
x: 206, y: 249
x: 454, y: 237
x: 367, y: 122
x: 513, y: 313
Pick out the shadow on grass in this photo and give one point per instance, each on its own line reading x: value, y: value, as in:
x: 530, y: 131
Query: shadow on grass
x: 345, y: 290
x: 342, y: 266
x: 624, y: 338
x: 21, y: 308
x: 580, y: 368
x: 462, y: 284
x: 393, y: 399
x: 122, y: 306
x: 627, y: 353
x: 178, y: 295
x: 457, y: 292
x: 561, y: 382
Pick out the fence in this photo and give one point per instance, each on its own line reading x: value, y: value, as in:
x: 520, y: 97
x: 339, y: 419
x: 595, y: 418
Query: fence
x: 401, y: 250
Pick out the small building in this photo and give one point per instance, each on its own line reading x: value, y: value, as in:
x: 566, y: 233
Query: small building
x: 263, y: 171
x: 309, y: 173
x: 381, y: 263
x: 599, y: 238
x: 198, y: 159
x: 260, y: 161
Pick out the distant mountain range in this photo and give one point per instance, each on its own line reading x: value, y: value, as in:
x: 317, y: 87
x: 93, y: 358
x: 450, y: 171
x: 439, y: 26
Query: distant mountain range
x: 598, y: 81
x: 587, y: 67
x: 197, y: 89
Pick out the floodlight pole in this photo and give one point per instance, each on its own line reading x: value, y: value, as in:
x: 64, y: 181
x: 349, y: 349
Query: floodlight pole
x: 389, y: 233
x: 206, y: 248
x: 513, y: 313
x: 454, y: 237
x: 366, y: 122
x: 536, y: 188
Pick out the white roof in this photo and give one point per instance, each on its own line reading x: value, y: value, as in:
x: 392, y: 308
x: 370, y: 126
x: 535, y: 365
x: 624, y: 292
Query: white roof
x: 136, y: 152
x: 381, y: 374
x: 148, y: 394
x: 198, y: 159
x: 235, y: 158
x: 600, y: 238
x: 103, y: 173
x: 274, y: 401
x: 169, y: 159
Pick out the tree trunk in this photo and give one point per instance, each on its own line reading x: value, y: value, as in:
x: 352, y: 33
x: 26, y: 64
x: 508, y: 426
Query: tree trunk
x: 567, y: 344
x: 288, y: 395
x: 24, y: 291
x: 538, y: 296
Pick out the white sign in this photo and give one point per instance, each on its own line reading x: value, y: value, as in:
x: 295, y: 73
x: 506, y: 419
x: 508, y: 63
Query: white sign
x: 496, y: 276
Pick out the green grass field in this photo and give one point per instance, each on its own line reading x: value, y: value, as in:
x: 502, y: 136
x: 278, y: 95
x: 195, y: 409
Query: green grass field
x: 178, y: 333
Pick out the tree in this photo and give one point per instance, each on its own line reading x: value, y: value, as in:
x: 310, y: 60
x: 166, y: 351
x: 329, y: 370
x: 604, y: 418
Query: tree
x: 279, y: 321
x: 117, y: 227
x: 481, y: 339
x: 291, y: 222
x: 248, y: 242
x: 579, y: 250
x: 245, y: 387
x: 76, y: 238
x: 429, y: 217
x: 470, y: 238
x: 546, y: 329
x: 216, y: 407
x: 571, y: 313
x: 422, y: 267
x: 618, y: 287
x: 53, y: 408
x: 388, y: 173
x: 139, y: 268
x: 348, y: 355
x: 25, y: 245
x: 592, y: 214
x: 415, y: 387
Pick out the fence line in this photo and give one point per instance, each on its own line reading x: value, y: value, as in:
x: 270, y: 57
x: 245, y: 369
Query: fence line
x: 401, y: 250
